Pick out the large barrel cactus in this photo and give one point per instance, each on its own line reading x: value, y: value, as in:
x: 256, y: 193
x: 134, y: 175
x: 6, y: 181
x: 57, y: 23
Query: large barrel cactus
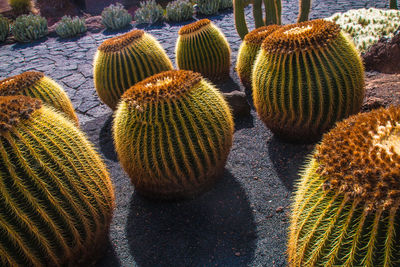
x: 346, y: 207
x: 248, y: 51
x: 306, y: 77
x: 202, y: 47
x: 35, y: 84
x: 56, y: 196
x: 124, y: 60
x: 173, y: 132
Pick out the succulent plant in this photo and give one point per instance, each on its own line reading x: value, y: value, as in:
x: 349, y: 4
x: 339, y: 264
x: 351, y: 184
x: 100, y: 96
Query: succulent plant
x: 208, y: 7
x: 28, y: 28
x: 173, y: 132
x: 346, y: 204
x: 306, y: 77
x: 36, y: 85
x: 4, y: 28
x: 248, y: 51
x: 224, y: 4
x: 115, y: 17
x: 20, y: 6
x: 393, y: 4
x: 70, y: 27
x: 56, y: 195
x: 179, y: 10
x: 202, y: 47
x: 149, y: 12
x: 124, y: 60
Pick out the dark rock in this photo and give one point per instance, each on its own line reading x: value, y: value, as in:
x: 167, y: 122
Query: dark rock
x: 371, y: 103
x: 94, y: 24
x: 238, y: 102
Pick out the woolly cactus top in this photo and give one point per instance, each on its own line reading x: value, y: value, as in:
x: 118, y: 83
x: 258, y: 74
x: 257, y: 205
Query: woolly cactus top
x: 258, y: 35
x: 195, y: 27
x: 117, y: 43
x: 14, y: 108
x: 361, y: 158
x: 301, y: 36
x: 14, y: 85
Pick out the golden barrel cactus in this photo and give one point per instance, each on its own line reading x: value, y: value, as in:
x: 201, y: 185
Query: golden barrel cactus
x: 346, y: 206
x: 306, y: 77
x: 124, y: 60
x: 173, y: 133
x: 56, y: 198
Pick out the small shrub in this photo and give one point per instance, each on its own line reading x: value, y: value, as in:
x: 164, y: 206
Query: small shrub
x: 179, y: 10
x: 29, y: 27
x: 149, y: 12
x: 208, y: 7
x: 70, y: 27
x: 115, y: 17
x: 20, y: 6
x: 4, y: 28
x: 225, y: 4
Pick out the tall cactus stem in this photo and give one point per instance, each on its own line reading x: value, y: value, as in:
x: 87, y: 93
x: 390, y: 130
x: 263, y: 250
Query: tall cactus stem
x: 393, y: 4
x: 272, y: 12
x: 240, y: 19
x: 304, y: 10
x: 257, y: 13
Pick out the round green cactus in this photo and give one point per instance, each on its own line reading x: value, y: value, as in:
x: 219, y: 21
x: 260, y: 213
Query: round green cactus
x: 35, y: 84
x: 202, y: 47
x: 306, y: 77
x: 346, y: 207
x: 248, y: 52
x: 56, y: 198
x: 173, y: 132
x: 122, y: 61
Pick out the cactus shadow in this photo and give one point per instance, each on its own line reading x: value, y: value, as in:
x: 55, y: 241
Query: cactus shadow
x: 228, y: 85
x: 106, y: 141
x: 216, y: 228
x: 146, y: 26
x: 244, y: 122
x: 109, y: 258
x: 18, y: 46
x: 109, y: 32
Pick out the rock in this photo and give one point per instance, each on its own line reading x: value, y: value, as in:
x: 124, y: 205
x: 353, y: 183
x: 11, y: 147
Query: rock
x: 94, y: 24
x: 371, y: 103
x: 238, y: 102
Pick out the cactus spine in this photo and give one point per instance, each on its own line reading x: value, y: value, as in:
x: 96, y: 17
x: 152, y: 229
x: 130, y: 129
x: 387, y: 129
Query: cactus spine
x: 306, y: 77
x: 346, y: 207
x: 248, y: 51
x: 56, y: 196
x: 202, y: 47
x: 173, y: 132
x: 122, y: 61
x: 35, y: 84
x: 304, y: 10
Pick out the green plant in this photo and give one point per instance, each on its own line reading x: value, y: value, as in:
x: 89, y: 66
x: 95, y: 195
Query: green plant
x: 27, y: 28
x: 173, y: 132
x: 56, y: 195
x: 203, y: 48
x: 346, y: 204
x: 20, y: 6
x: 179, y: 10
x: 124, y: 60
x: 70, y: 27
x: 306, y: 77
x: 304, y: 10
x: 248, y: 51
x: 225, y: 4
x: 115, y: 17
x: 35, y: 84
x: 393, y: 4
x: 149, y: 12
x: 208, y: 7
x: 4, y: 28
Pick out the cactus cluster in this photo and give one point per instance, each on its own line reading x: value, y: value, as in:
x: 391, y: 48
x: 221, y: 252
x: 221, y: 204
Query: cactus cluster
x: 27, y: 28
x: 124, y: 60
x: 56, y: 198
x: 20, y: 6
x: 4, y: 28
x: 149, y: 12
x: 173, y: 132
x: 224, y: 4
x: 306, y: 77
x: 115, y: 17
x: 69, y: 27
x: 179, y: 10
x: 346, y: 206
x: 208, y: 7
x: 202, y: 47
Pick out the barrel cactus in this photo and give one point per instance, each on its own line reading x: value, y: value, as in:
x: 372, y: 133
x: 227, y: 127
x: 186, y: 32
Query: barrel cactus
x: 35, y: 84
x: 124, y: 60
x: 306, y: 77
x: 346, y: 207
x: 202, y: 47
x: 248, y: 51
x: 173, y: 132
x: 56, y: 195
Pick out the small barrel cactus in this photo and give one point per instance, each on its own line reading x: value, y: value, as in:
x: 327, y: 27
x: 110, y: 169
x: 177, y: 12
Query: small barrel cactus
x: 202, y: 47
x: 224, y: 4
x: 208, y: 7
x: 36, y: 85
x: 28, y: 28
x: 306, y: 77
x: 70, y: 27
x: 56, y: 198
x: 173, y: 132
x: 4, y: 28
x: 124, y: 60
x: 248, y: 51
x: 179, y: 10
x: 149, y: 12
x: 115, y: 17
x: 346, y: 206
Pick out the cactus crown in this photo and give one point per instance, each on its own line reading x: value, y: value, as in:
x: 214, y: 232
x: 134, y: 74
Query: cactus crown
x: 258, y: 35
x: 14, y: 108
x: 195, y: 27
x: 361, y: 158
x: 14, y: 85
x: 301, y: 36
x: 117, y: 43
